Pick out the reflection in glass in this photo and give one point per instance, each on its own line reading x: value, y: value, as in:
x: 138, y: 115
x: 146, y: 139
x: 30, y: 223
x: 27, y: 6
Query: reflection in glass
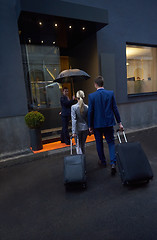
x: 141, y: 63
x: 43, y: 65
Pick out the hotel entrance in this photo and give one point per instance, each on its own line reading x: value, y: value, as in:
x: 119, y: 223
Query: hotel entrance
x: 49, y: 45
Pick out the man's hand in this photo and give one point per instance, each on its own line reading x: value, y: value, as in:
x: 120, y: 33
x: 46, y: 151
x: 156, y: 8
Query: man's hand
x: 74, y: 135
x: 121, y: 127
x: 90, y: 130
x: 73, y: 97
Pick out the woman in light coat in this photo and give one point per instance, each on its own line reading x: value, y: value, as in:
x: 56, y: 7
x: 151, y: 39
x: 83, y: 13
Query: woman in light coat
x: 79, y: 116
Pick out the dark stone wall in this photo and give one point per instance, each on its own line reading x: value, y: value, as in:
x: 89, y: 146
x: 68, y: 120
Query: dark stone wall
x: 12, y: 87
x: 14, y: 135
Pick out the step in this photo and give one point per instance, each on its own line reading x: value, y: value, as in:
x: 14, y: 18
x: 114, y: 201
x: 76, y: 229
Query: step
x: 52, y: 135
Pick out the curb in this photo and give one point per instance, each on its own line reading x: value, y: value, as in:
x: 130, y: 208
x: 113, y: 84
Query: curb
x: 30, y: 156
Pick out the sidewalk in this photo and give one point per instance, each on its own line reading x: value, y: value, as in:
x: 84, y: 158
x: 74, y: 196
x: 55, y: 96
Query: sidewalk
x: 53, y: 148
x: 48, y: 149
x: 34, y: 204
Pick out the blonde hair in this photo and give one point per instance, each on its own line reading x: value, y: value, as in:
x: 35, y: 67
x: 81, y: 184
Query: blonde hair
x: 80, y: 95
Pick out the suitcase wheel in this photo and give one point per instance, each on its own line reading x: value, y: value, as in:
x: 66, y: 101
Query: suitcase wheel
x: 70, y: 186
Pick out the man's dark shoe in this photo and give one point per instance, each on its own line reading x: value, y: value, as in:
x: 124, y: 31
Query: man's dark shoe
x: 113, y: 169
x: 102, y: 164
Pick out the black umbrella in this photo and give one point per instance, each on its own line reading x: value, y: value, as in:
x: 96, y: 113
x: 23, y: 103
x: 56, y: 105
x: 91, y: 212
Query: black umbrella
x: 71, y: 74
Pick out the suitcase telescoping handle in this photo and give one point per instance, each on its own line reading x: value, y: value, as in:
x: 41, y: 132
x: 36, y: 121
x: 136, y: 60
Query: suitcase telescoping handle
x: 71, y: 144
x: 123, y: 136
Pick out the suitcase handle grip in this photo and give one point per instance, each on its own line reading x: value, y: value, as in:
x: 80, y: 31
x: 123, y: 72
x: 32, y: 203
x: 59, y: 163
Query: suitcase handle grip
x: 119, y: 138
x: 71, y: 144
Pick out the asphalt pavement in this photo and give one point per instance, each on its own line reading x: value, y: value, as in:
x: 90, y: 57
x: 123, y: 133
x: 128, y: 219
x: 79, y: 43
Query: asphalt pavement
x: 35, y: 206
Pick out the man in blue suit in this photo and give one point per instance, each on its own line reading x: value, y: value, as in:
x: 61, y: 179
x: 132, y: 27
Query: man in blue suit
x: 102, y: 111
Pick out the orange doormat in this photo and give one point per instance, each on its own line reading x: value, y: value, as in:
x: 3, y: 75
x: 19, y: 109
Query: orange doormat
x: 58, y: 144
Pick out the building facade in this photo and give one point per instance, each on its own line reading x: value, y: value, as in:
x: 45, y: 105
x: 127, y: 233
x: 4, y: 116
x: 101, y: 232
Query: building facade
x: 117, y: 40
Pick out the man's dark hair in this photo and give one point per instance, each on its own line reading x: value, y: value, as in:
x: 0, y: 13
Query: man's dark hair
x: 99, y: 81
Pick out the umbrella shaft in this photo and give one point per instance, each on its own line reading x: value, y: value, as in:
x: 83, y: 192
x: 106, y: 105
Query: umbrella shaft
x: 73, y: 87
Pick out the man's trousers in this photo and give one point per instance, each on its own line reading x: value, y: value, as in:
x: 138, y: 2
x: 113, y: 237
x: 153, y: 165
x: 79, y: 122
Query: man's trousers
x: 65, y: 131
x: 108, y: 132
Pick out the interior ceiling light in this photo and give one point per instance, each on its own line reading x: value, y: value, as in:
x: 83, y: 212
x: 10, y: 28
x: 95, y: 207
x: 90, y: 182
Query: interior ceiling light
x: 70, y: 27
x: 54, y: 42
x: 40, y: 23
x: 29, y: 40
x: 56, y: 25
x: 134, y: 52
x: 42, y: 41
x: 83, y: 28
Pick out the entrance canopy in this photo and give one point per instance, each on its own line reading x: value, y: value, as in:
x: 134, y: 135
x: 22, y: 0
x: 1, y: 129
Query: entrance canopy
x: 60, y: 23
x: 65, y: 9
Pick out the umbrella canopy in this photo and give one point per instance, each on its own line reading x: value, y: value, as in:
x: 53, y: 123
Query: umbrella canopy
x: 71, y: 73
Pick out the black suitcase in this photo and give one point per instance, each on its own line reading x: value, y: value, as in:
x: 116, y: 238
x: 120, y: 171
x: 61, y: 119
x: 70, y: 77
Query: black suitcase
x: 75, y: 169
x: 132, y: 162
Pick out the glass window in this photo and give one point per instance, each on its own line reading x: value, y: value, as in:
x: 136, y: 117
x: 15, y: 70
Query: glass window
x: 43, y: 66
x: 141, y: 63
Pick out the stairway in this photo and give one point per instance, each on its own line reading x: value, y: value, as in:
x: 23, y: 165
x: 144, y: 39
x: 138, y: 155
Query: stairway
x: 52, y: 135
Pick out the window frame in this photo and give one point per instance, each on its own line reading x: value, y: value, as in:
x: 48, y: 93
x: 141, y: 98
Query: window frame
x: 142, y: 94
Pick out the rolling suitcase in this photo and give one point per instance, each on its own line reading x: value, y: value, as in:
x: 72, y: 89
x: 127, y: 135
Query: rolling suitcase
x: 132, y: 162
x: 74, y: 168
